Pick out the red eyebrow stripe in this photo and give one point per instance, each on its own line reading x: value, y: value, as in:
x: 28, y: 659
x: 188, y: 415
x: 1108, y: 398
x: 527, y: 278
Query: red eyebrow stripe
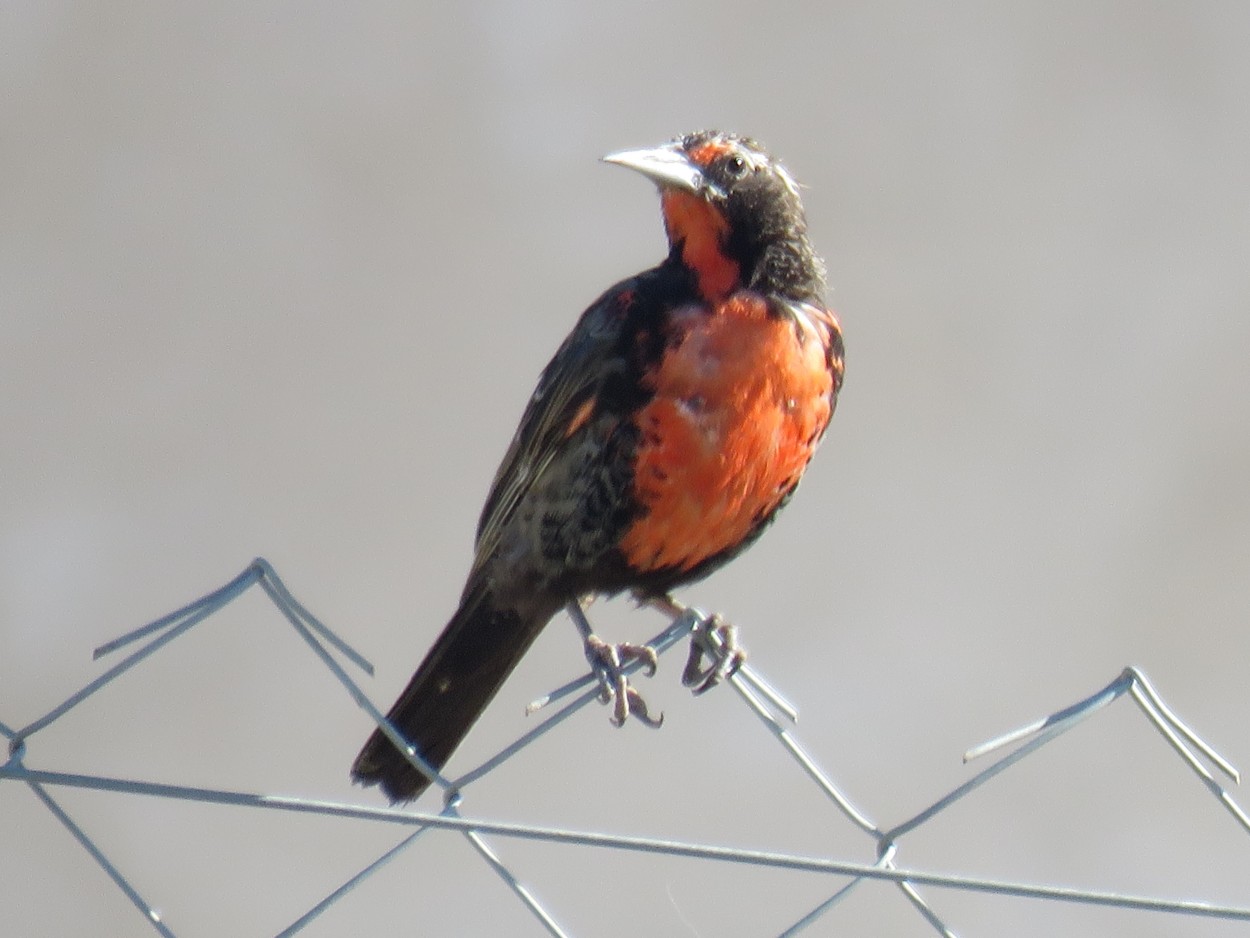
x: 705, y: 153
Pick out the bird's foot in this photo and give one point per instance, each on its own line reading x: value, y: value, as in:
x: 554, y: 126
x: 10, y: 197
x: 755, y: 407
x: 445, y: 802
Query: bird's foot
x: 713, y: 638
x: 608, y: 661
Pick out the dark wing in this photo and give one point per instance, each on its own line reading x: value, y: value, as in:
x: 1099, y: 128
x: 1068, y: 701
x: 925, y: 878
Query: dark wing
x: 568, y: 392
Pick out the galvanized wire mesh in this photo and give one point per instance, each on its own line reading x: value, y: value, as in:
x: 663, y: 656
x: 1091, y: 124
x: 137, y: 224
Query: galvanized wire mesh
x: 761, y: 700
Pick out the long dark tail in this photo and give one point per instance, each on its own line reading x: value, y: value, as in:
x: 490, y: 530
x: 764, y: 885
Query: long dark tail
x: 466, y: 667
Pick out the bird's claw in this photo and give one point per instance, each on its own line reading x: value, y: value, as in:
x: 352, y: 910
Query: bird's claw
x: 716, y: 639
x: 608, y: 661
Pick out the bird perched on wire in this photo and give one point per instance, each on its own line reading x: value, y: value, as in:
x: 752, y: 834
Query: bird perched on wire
x: 669, y: 428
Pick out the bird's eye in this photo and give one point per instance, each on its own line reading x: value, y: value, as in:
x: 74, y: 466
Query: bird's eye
x: 735, y: 165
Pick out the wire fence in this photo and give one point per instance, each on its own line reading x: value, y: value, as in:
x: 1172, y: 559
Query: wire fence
x: 760, y: 699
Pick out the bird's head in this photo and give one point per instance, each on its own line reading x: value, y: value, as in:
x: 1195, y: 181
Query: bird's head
x: 733, y: 215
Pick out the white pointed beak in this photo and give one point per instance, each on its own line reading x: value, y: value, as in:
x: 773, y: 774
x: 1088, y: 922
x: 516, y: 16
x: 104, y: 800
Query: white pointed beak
x: 667, y: 166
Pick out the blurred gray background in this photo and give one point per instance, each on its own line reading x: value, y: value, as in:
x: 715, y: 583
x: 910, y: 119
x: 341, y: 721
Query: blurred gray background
x: 277, y: 279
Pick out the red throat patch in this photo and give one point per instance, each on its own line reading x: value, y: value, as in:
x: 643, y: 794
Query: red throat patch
x: 701, y: 229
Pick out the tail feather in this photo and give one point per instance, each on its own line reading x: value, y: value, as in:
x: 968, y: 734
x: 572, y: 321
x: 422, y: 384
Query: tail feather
x: 462, y: 672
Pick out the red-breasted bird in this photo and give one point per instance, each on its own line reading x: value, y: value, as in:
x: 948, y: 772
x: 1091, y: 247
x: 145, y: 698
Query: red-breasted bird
x: 669, y: 428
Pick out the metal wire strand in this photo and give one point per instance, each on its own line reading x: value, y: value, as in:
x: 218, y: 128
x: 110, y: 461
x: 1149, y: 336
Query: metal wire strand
x: 761, y: 699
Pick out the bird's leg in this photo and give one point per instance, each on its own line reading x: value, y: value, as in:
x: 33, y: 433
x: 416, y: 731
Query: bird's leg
x: 716, y: 639
x: 608, y: 662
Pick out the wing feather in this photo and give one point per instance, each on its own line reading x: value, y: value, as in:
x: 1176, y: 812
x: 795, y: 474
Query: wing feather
x: 571, y: 382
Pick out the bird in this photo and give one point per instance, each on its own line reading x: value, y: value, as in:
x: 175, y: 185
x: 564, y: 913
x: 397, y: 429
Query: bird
x: 670, y: 427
